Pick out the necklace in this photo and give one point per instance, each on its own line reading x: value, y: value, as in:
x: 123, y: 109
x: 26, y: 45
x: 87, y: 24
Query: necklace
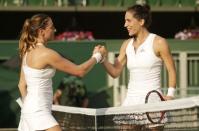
x: 39, y: 44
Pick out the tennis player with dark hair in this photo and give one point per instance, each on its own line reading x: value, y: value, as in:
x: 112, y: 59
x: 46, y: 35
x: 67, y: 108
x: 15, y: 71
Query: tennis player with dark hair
x: 144, y: 54
x: 38, y: 64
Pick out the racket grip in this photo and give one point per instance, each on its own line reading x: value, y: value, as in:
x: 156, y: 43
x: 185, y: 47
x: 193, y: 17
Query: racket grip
x: 19, y: 101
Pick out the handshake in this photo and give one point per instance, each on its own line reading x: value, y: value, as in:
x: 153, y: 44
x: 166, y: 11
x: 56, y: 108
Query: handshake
x: 99, y: 53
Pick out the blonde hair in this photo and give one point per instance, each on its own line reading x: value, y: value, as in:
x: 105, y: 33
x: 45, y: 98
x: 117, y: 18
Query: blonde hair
x: 29, y: 33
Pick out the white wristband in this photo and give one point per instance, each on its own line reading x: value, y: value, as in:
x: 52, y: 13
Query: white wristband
x: 171, y: 91
x: 97, y: 56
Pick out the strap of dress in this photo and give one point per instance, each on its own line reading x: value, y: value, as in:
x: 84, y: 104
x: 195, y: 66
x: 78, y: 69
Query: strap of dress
x: 129, y: 44
x: 24, y: 59
x: 151, y: 39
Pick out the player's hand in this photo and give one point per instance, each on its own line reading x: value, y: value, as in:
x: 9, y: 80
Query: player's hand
x: 97, y: 53
x: 168, y: 98
x: 104, y: 53
x: 96, y: 49
x: 102, y: 50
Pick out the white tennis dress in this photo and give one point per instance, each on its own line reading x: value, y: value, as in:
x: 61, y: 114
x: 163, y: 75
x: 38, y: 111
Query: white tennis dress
x: 36, y: 108
x: 144, y: 68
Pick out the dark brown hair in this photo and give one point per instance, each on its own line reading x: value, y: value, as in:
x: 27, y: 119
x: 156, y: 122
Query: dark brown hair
x: 141, y: 12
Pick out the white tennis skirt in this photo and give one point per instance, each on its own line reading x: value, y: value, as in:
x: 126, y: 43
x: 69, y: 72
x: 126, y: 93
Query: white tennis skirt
x: 33, y: 122
x: 135, y: 97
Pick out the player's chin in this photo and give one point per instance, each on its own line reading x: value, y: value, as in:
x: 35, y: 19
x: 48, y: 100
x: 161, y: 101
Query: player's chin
x: 131, y: 34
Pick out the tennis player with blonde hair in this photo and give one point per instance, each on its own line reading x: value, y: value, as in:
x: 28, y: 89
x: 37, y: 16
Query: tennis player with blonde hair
x: 38, y: 64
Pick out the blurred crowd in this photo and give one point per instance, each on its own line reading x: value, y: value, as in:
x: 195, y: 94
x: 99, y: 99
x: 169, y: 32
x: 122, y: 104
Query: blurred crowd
x: 75, y: 35
x: 188, y: 34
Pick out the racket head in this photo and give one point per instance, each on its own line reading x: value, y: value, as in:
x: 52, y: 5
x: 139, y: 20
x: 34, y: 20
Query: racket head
x: 152, y: 97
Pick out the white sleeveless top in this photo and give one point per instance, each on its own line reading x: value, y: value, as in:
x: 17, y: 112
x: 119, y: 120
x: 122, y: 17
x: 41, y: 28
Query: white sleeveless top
x: 37, y: 104
x: 144, y: 68
x: 39, y: 89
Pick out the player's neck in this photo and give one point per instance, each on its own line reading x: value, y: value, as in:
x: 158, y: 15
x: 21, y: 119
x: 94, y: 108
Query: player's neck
x: 40, y: 44
x: 141, y: 36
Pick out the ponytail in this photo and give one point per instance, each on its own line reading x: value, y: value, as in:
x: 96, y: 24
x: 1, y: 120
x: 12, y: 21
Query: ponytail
x: 29, y: 33
x: 27, y: 39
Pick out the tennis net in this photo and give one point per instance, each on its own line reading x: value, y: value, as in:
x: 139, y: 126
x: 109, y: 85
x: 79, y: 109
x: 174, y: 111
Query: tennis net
x: 180, y: 115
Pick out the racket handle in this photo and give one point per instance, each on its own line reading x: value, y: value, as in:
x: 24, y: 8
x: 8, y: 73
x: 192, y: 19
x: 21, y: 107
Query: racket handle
x: 19, y: 101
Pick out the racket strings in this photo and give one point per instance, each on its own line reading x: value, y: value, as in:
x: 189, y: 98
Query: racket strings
x: 155, y: 117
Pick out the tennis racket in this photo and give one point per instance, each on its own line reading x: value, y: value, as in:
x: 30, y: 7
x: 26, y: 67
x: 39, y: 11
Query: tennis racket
x: 152, y: 97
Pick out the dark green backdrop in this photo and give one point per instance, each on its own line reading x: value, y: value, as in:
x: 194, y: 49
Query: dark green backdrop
x: 96, y: 80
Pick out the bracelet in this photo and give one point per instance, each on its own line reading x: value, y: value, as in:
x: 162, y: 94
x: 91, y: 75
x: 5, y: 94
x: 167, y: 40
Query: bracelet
x: 171, y: 91
x: 97, y: 56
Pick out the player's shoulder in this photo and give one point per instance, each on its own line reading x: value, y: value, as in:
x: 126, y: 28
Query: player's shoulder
x: 160, y: 43
x: 125, y: 43
x: 160, y: 40
x: 48, y: 53
x: 49, y: 50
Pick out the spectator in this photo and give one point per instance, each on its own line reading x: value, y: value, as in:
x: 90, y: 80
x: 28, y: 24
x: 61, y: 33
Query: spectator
x: 71, y: 92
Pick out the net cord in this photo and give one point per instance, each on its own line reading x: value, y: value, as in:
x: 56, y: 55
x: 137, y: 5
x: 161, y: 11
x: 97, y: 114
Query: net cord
x: 182, y: 103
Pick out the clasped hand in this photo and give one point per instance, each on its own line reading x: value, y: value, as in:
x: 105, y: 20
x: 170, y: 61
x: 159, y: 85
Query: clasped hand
x: 102, y: 50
